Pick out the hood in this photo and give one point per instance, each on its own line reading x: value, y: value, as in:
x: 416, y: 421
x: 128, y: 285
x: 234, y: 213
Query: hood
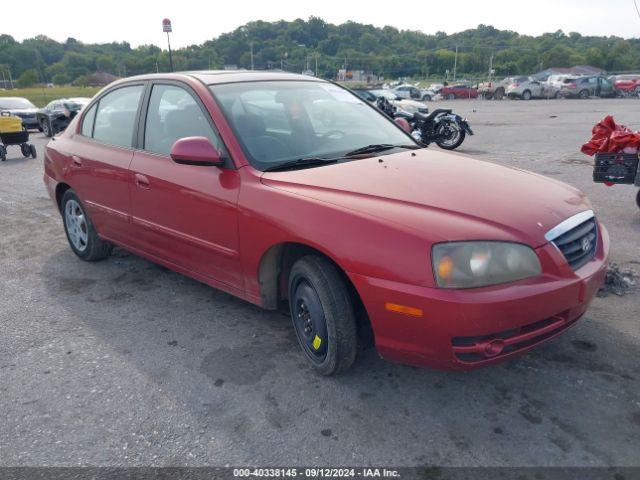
x: 21, y: 112
x: 444, y: 196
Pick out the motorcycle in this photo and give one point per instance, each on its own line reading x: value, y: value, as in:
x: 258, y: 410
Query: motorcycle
x: 442, y: 127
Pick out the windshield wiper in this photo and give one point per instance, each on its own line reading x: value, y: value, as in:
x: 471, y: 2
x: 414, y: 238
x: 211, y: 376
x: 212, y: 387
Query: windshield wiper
x: 301, y: 162
x: 378, y: 147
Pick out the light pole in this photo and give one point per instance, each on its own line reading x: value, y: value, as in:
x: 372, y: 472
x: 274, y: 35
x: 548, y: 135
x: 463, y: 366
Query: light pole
x: 166, y: 27
x: 251, y: 45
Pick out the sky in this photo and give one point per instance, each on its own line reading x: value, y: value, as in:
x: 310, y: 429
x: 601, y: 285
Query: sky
x: 140, y: 22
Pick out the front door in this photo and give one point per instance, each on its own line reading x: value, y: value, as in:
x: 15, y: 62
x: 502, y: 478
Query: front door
x: 184, y: 214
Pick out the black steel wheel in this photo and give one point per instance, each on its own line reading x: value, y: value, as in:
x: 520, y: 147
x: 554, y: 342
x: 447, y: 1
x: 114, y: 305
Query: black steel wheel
x: 638, y: 199
x: 32, y: 150
x: 322, y: 314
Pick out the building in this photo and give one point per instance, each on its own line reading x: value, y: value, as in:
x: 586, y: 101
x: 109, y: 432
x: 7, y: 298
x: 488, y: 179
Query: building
x: 577, y: 70
x: 360, y: 76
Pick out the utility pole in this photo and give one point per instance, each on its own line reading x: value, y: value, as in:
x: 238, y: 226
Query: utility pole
x: 490, y: 66
x: 251, y: 45
x: 316, y: 64
x: 166, y: 27
x: 455, y: 64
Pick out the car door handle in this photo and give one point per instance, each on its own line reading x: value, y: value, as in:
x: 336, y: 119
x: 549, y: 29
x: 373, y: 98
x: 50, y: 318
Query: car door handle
x: 141, y: 181
x: 77, y: 161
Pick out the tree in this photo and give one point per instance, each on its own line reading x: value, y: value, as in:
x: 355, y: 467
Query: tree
x: 28, y: 78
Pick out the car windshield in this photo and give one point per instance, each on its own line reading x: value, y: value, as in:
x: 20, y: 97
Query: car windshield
x: 281, y: 121
x: 15, y: 103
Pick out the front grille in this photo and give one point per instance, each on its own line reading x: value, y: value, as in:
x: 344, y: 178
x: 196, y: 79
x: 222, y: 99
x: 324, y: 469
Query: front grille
x: 578, y: 245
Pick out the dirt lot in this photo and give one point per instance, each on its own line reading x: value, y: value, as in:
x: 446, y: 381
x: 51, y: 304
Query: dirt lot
x: 126, y: 363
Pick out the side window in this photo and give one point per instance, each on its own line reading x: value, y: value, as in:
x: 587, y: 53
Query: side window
x: 87, y: 121
x: 116, y: 116
x: 174, y: 114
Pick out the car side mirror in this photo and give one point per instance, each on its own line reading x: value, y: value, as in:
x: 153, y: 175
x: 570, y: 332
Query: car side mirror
x: 196, y: 151
x: 403, y: 124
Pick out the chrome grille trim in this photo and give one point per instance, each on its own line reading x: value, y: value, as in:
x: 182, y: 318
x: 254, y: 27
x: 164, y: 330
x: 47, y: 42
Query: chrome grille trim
x: 577, y: 241
x: 568, y: 224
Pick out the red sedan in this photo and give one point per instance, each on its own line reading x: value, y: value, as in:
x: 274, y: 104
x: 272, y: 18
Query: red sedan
x: 292, y: 193
x: 458, y: 91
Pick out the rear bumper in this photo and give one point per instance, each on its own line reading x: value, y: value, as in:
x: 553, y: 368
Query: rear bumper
x: 465, y: 329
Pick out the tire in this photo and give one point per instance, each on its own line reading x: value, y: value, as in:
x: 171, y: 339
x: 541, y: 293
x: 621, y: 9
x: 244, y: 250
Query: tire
x: 638, y: 199
x: 3, y: 153
x: 526, y: 95
x: 487, y: 95
x: 26, y: 151
x: 451, y: 96
x: 452, y: 145
x: 322, y: 315
x: 557, y: 95
x: 498, y: 94
x: 33, y: 151
x: 46, y: 128
x: 426, y: 98
x: 81, y: 234
x: 584, y: 94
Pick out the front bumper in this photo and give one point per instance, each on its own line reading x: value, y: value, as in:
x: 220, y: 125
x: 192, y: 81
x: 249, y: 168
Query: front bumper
x: 465, y: 329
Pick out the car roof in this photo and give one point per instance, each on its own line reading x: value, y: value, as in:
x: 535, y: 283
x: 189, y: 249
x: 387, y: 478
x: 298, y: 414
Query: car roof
x: 212, y: 77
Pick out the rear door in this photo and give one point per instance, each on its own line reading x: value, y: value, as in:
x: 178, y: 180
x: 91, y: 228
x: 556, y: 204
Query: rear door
x: 184, y: 214
x: 101, y: 155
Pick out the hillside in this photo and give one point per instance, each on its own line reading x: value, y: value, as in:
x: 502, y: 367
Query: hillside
x: 294, y: 45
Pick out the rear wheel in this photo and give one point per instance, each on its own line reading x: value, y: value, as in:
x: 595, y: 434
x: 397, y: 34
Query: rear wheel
x: 451, y: 96
x: 449, y: 135
x: 3, y: 153
x: 26, y: 151
x: 526, y: 95
x: 426, y: 98
x: 584, y: 94
x: 82, y: 235
x: 638, y: 199
x: 32, y: 150
x: 323, y: 315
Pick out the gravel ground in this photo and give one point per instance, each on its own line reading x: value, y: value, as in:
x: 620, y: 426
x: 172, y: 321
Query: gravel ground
x: 125, y: 363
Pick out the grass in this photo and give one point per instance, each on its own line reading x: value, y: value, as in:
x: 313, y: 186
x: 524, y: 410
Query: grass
x: 41, y: 96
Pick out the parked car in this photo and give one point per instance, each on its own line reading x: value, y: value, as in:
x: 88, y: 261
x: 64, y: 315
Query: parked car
x: 556, y: 81
x: 57, y: 115
x: 414, y: 93
x: 372, y: 95
x: 459, y: 91
x: 22, y: 108
x: 492, y: 89
x: 529, y: 88
x: 626, y: 85
x: 587, y: 86
x: 342, y: 221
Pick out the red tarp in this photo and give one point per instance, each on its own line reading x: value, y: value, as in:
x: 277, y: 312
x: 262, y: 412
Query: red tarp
x: 608, y: 137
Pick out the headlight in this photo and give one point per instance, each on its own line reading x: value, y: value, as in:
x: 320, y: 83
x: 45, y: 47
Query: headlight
x: 480, y: 264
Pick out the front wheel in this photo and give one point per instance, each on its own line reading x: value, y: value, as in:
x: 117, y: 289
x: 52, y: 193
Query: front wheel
x: 584, y: 94
x: 46, y: 128
x: 638, y: 199
x: 323, y: 315
x: 526, y: 95
x: 82, y: 236
x: 451, y: 96
x: 449, y: 135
